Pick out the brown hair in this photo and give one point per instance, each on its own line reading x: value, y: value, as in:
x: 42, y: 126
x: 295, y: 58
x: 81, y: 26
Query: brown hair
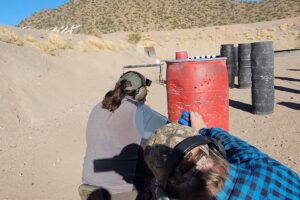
x: 215, y: 177
x: 113, y: 98
x: 204, y: 184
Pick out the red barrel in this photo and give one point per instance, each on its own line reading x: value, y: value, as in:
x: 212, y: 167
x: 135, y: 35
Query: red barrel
x: 181, y: 55
x: 200, y: 86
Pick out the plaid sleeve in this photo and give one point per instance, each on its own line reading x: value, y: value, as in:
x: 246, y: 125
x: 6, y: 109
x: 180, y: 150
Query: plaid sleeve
x: 236, y: 149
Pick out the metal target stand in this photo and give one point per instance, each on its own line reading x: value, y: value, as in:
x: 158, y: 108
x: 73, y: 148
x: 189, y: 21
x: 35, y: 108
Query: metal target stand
x: 160, y: 65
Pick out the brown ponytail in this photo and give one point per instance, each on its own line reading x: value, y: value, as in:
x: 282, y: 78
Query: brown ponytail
x: 113, y: 98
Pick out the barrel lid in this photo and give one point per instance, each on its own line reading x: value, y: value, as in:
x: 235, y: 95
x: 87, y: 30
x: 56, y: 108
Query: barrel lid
x: 269, y: 42
x: 195, y: 60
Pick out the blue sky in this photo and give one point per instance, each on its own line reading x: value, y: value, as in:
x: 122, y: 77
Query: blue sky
x: 13, y: 11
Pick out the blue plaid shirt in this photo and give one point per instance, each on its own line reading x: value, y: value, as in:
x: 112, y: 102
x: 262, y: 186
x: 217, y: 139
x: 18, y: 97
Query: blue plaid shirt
x: 253, y: 174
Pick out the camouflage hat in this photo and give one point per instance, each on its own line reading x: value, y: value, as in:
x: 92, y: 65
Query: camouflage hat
x: 160, y: 146
x: 170, y: 135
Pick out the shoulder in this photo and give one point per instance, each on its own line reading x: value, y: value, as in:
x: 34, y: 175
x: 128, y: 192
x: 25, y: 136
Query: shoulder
x: 129, y: 100
x: 145, y: 109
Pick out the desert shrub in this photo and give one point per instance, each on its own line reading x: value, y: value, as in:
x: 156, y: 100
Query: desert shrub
x: 10, y: 37
x: 81, y: 46
x: 284, y: 26
x: 270, y: 37
x: 271, y: 29
x: 134, y: 37
x: 44, y: 45
x: 262, y: 33
x: 29, y: 38
x: 147, y: 41
x: 265, y: 34
x: 58, y: 41
x: 111, y: 45
x: 96, y: 42
x: 248, y: 36
x: 47, y: 47
x: 99, y: 44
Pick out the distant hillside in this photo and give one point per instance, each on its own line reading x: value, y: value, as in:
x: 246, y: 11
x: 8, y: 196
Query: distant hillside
x: 107, y: 16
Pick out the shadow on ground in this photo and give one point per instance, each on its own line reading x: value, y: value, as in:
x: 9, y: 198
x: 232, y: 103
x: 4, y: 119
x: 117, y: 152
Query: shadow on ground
x: 295, y: 106
x: 296, y: 70
x: 285, y: 89
x: 287, y: 78
x: 240, y: 105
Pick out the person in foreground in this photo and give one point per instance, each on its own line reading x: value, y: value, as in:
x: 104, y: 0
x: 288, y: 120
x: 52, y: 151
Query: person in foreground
x: 116, y: 129
x: 200, y: 163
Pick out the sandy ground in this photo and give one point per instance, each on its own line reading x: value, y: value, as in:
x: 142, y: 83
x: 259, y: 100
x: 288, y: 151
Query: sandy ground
x: 45, y: 102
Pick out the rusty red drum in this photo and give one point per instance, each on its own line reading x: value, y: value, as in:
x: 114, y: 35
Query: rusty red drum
x: 200, y: 86
x: 181, y: 55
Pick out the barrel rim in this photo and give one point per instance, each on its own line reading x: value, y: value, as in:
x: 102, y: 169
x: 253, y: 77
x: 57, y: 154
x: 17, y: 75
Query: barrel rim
x: 227, y: 45
x: 195, y: 60
x: 247, y: 44
x: 261, y: 43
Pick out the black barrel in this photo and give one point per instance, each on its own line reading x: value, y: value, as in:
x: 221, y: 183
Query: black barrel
x: 227, y: 50
x: 236, y: 71
x: 262, y: 68
x: 244, y: 65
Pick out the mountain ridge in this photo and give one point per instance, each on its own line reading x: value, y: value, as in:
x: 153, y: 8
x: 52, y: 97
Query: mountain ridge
x: 108, y: 16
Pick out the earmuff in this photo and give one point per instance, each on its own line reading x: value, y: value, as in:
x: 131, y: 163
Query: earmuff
x: 139, y: 83
x: 182, y: 148
x: 140, y: 93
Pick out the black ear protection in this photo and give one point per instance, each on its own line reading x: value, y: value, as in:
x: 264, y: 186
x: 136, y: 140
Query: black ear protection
x: 141, y: 91
x: 184, y: 147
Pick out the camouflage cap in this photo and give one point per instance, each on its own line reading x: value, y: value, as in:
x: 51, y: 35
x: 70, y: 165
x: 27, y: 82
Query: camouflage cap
x: 161, y: 144
x: 170, y: 135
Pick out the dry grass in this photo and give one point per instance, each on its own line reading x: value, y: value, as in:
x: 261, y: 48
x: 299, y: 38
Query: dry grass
x: 81, y: 46
x: 55, y: 42
x: 134, y: 38
x: 261, y: 34
x: 266, y: 34
x: 51, y: 45
x: 96, y: 42
x: 59, y: 42
x: 111, y: 46
x: 99, y: 44
x: 283, y: 27
x: 47, y: 47
x: 29, y: 38
x: 147, y: 41
x: 271, y: 29
x: 10, y: 37
x: 248, y: 36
